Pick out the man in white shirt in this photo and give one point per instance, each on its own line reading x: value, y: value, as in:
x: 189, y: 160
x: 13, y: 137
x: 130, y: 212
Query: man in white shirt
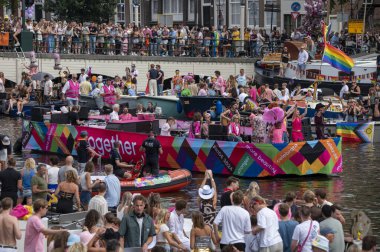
x: 176, y: 223
x: 285, y: 89
x: 303, y: 56
x: 235, y: 222
x: 344, y: 90
x: 242, y: 95
x: 320, y: 195
x: 113, y: 192
x: 114, y: 116
x: 267, y: 226
x: 276, y: 91
x: 83, y: 76
x: 48, y: 88
x: 98, y: 202
x: 242, y: 78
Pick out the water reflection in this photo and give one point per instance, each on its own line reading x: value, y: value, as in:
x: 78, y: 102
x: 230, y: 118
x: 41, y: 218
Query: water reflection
x: 357, y: 187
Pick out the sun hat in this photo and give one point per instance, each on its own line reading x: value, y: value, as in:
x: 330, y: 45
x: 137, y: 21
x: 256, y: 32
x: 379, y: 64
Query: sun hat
x: 321, y: 242
x: 319, y: 106
x: 206, y: 192
x: 6, y: 140
x: 73, y: 238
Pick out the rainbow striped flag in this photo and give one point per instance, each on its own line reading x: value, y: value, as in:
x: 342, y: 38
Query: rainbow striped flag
x: 335, y: 57
x: 356, y: 132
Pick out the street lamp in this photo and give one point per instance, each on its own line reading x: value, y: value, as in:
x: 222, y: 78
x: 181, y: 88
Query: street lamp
x: 271, y: 7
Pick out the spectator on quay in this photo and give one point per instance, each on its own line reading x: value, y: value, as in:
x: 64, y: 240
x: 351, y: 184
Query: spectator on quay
x: 53, y: 171
x: 232, y: 186
x: 153, y: 205
x: 11, y: 181
x: 201, y: 235
x: 152, y: 76
x: 66, y: 191
x: 124, y: 206
x: 267, y: 226
x: 90, y: 226
x: 10, y: 230
x: 119, y: 167
x: 166, y: 239
x: 70, y: 91
x: 331, y: 223
x: 252, y: 191
x: 98, y: 202
x: 320, y: 195
x: 39, y: 184
x: 286, y: 226
x: 35, y: 230
x: 113, y: 192
x: 131, y: 231
x: 208, y: 198
x: 177, y: 221
x: 235, y: 222
x: 27, y: 174
x: 305, y: 232
x: 5, y: 150
x: 369, y: 244
x: 67, y: 167
x: 337, y: 214
x: 86, y: 184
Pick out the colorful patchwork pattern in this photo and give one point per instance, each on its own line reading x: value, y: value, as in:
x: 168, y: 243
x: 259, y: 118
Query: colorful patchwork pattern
x: 227, y: 158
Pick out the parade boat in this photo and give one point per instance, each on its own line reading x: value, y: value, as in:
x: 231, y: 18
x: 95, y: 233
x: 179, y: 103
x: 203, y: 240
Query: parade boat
x: 196, y: 155
x: 363, y: 72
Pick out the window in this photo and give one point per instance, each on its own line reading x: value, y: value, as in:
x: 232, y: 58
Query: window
x: 269, y: 20
x: 173, y: 6
x: 120, y: 11
x: 253, y: 13
x: 235, y: 13
x: 154, y: 10
x: 191, y: 10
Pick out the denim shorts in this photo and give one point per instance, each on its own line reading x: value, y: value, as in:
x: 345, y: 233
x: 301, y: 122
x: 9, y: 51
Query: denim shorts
x: 301, y: 67
x: 85, y: 197
x: 26, y: 193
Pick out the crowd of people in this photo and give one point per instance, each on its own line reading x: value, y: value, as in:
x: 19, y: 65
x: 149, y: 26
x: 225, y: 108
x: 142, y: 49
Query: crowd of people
x: 180, y: 40
x: 115, y: 221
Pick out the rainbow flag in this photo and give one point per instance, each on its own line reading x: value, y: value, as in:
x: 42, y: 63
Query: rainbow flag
x: 335, y: 57
x: 356, y: 132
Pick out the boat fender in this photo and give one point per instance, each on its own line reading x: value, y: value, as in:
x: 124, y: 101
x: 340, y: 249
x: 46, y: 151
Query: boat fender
x: 179, y: 107
x: 219, y: 107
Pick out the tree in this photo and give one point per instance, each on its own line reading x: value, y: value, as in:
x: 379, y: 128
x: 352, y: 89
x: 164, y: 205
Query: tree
x: 313, y: 17
x: 98, y: 11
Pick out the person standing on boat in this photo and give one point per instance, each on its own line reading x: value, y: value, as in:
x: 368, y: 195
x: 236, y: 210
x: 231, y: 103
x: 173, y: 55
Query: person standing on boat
x: 160, y: 80
x: 195, y: 127
x: 319, y: 120
x: 153, y: 149
x: 177, y: 83
x: 344, y: 90
x: 152, y: 76
x: 285, y: 56
x: 117, y: 163
x: 355, y: 90
x: 134, y: 73
x: 303, y: 56
x: 297, y: 135
x: 109, y: 94
x: 242, y: 78
x: 71, y: 91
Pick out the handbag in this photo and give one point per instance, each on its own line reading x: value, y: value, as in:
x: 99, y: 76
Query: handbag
x: 299, y: 249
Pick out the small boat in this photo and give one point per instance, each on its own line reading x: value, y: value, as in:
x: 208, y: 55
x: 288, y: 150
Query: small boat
x: 364, y: 72
x: 166, y: 181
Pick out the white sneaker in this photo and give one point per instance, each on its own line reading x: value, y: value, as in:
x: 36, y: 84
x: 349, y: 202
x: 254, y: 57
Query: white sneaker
x: 17, y: 44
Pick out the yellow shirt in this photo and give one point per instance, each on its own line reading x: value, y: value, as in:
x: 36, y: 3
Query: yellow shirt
x: 236, y: 35
x: 247, y: 36
x: 85, y: 88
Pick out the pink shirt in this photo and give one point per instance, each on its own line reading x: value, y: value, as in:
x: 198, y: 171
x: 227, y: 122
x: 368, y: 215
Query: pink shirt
x: 202, y: 92
x: 277, y: 136
x: 253, y: 93
x: 34, y: 239
x: 85, y: 237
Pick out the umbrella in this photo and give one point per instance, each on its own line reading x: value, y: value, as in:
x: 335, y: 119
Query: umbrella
x: 40, y: 76
x: 273, y: 115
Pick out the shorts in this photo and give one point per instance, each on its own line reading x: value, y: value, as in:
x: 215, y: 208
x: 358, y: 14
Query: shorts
x: 52, y: 187
x: 3, y: 154
x: 119, y: 173
x: 206, y: 42
x: 85, y: 197
x: 151, y: 166
x: 26, y: 193
x: 301, y: 67
x: 71, y: 102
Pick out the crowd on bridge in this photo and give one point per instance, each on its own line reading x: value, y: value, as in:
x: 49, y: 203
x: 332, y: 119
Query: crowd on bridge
x: 69, y: 37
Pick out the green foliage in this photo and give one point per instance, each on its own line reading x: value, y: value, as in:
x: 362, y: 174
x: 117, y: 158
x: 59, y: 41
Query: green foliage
x: 98, y: 11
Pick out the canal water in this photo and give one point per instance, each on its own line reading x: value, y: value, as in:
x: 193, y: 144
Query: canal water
x: 358, y: 187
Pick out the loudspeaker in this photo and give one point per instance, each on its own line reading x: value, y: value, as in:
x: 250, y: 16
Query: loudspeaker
x: 60, y: 118
x: 38, y: 113
x: 27, y: 41
x: 83, y: 113
x: 137, y: 127
x: 217, y: 132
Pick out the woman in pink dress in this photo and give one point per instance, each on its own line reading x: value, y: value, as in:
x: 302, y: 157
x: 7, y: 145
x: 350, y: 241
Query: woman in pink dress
x: 277, y: 133
x: 297, y: 135
x: 195, y: 127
